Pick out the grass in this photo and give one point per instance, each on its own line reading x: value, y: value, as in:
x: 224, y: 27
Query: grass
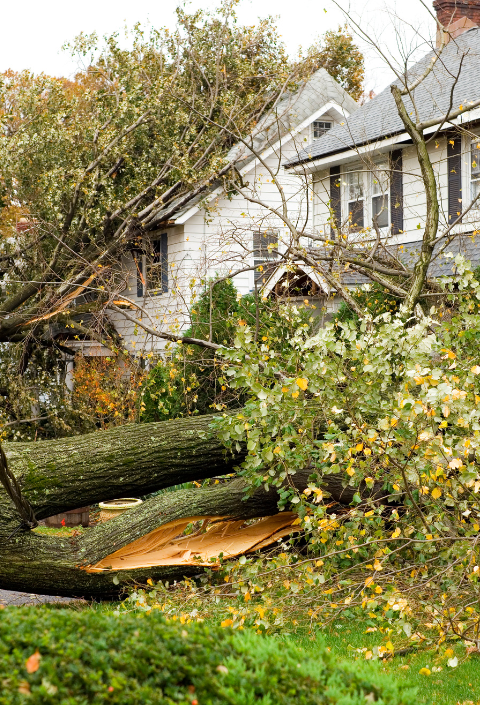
x: 446, y: 687
x: 61, y: 531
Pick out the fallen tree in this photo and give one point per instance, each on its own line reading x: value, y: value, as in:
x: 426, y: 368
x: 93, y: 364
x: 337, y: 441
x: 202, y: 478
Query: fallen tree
x: 55, y: 476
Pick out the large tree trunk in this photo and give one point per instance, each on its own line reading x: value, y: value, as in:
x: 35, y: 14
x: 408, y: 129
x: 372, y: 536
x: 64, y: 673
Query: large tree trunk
x: 129, y: 461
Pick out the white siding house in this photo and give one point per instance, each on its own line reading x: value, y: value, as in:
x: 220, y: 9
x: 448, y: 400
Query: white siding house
x: 217, y: 235
x: 367, y: 167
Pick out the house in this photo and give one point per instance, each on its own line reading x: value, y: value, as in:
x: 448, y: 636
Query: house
x: 367, y: 168
x: 216, y: 234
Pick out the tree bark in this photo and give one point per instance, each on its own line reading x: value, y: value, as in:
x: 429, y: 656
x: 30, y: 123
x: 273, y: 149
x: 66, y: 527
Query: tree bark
x: 59, y: 475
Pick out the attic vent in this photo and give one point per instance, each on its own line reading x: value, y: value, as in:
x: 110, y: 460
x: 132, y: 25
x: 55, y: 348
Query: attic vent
x: 263, y: 257
x: 320, y: 127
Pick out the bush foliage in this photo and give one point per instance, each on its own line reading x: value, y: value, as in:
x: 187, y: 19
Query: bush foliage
x: 64, y: 657
x: 192, y: 379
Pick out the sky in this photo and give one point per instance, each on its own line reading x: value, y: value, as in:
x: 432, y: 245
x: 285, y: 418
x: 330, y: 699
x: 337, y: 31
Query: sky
x: 41, y: 28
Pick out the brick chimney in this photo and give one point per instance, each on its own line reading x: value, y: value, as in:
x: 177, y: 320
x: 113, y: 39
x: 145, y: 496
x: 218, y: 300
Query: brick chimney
x: 457, y: 16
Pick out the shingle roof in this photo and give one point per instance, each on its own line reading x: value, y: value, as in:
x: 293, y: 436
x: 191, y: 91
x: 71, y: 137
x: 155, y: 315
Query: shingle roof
x: 291, y: 111
x: 295, y: 108
x: 379, y: 119
x: 440, y: 266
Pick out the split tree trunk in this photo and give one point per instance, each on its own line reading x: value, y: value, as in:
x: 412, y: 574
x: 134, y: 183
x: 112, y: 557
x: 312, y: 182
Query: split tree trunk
x: 56, y: 476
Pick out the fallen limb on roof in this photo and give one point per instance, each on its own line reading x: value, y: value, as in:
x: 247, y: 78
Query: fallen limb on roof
x: 216, y: 538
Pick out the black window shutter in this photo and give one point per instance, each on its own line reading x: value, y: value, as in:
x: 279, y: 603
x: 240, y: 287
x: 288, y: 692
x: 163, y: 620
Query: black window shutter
x: 396, y: 191
x: 454, y: 166
x: 335, y: 197
x: 138, y: 259
x: 164, y: 261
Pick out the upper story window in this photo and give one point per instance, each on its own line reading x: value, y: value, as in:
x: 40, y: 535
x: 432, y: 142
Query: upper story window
x: 156, y: 270
x: 151, y: 262
x: 320, y: 127
x: 475, y: 171
x: 355, y: 187
x: 380, y: 177
x: 366, y: 195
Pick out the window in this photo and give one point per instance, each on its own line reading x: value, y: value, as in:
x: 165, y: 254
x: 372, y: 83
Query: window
x: 380, y: 189
x: 366, y: 196
x: 320, y: 127
x: 156, y: 265
x: 263, y: 257
x: 355, y: 197
x: 475, y: 171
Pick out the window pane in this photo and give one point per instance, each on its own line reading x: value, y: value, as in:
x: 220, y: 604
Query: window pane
x: 475, y: 190
x: 380, y: 210
x: 320, y: 127
x: 380, y: 180
x: 476, y: 159
x: 355, y: 212
x: 355, y: 185
x: 156, y: 266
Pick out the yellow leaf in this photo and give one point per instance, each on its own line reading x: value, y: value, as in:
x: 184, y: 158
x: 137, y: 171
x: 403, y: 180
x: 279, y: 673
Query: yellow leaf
x: 396, y: 488
x: 436, y: 493
x: 368, y: 581
x: 393, y: 422
x: 455, y: 463
x: 247, y: 597
x: 389, y: 646
x: 302, y: 383
x: 425, y: 671
x: 350, y: 471
x: 476, y: 370
x: 377, y: 565
x: 378, y: 590
x: 226, y: 623
x: 277, y: 449
x: 448, y: 653
x: 295, y: 394
x: 32, y: 664
x: 359, y: 447
x: 368, y: 655
x: 446, y: 411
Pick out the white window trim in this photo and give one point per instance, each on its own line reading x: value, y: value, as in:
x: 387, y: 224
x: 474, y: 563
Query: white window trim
x: 473, y: 215
x: 470, y: 181
x: 321, y: 119
x: 368, y: 177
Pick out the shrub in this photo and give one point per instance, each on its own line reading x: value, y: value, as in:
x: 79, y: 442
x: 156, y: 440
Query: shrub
x: 192, y: 380
x: 71, y: 658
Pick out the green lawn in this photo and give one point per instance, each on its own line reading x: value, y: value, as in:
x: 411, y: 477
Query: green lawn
x: 446, y: 687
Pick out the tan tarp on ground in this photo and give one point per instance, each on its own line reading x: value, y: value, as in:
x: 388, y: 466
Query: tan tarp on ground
x: 166, y: 546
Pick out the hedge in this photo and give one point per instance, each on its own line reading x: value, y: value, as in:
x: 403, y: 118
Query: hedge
x: 72, y: 657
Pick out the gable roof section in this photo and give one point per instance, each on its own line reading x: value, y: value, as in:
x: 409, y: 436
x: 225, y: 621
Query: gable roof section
x: 320, y: 93
x: 378, y: 119
x: 295, y: 109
